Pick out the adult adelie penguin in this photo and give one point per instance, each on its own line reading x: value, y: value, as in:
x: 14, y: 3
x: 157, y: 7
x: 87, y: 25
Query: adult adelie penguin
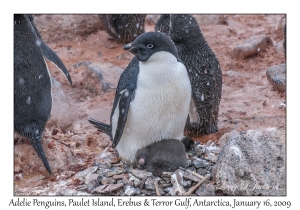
x: 203, y: 69
x: 163, y: 24
x: 123, y: 28
x: 152, y: 99
x: 32, y: 83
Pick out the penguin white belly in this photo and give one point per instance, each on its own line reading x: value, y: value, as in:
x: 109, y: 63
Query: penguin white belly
x: 160, y: 107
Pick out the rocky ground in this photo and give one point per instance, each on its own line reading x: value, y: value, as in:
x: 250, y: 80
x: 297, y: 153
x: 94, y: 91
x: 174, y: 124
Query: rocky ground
x: 252, y: 110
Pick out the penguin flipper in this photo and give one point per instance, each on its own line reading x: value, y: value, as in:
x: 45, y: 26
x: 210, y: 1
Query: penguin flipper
x: 102, y: 127
x: 53, y: 58
x: 124, y: 104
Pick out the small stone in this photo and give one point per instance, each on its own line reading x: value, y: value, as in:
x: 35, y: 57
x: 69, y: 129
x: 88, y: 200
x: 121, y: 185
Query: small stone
x: 103, y: 166
x: 186, y: 183
x: 90, y: 177
x: 130, y: 191
x: 92, y: 185
x: 104, y: 189
x: 80, y: 176
x: 118, y: 176
x: 103, y: 172
x: 106, y: 180
x: 177, y: 189
x: 149, y: 184
x: 199, y: 163
x: 147, y: 192
x: 190, y: 176
x: 135, y: 181
x: 114, y: 172
x: 201, y: 171
x: 206, y: 189
x: 140, y: 174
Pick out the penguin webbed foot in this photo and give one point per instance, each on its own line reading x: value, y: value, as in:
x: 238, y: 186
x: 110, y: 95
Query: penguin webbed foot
x: 212, y: 129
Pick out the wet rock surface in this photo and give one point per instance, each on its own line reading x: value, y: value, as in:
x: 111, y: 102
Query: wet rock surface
x: 72, y: 145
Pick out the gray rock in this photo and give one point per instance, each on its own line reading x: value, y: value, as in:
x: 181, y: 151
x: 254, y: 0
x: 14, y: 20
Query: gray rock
x: 188, y: 175
x: 98, y: 77
x: 277, y: 77
x: 252, y: 46
x: 107, y: 189
x: 130, y: 191
x: 61, y: 27
x: 90, y: 177
x: 199, y: 163
x: 176, y: 180
x: 201, y: 171
x: 62, y: 113
x: 252, y: 164
x: 206, y: 189
x: 205, y: 20
x: 103, y: 172
x: 135, y: 181
x: 92, y: 185
x: 149, y: 184
x: 106, y: 180
x: 80, y: 176
x: 148, y: 192
x: 141, y: 174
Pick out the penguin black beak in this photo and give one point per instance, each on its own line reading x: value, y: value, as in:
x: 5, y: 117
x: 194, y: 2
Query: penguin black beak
x: 127, y: 47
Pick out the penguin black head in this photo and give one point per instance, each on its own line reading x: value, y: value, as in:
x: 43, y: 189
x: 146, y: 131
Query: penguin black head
x: 149, y: 43
x: 184, y: 29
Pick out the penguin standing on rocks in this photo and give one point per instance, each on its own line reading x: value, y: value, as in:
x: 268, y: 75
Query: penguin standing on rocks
x: 123, y: 28
x: 203, y: 69
x: 32, y: 83
x: 153, y: 97
x: 165, y: 155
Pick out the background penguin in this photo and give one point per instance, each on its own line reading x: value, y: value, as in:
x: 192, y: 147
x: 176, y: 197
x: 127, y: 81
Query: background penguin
x: 32, y: 85
x: 163, y: 24
x: 203, y: 69
x: 152, y: 98
x: 123, y: 28
x: 166, y: 155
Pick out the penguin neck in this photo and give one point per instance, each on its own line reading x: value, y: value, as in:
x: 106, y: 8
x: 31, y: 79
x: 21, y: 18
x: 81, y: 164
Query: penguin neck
x: 159, y: 65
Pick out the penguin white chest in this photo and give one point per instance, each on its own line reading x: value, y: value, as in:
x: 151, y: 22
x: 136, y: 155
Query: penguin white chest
x: 160, y: 106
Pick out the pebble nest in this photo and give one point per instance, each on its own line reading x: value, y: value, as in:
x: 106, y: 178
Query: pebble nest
x: 109, y: 176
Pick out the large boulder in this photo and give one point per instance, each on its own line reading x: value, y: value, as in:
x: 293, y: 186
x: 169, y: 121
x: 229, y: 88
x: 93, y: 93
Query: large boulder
x: 252, y: 163
x: 59, y: 27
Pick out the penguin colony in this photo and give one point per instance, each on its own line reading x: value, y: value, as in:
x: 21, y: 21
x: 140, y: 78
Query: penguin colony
x: 153, y: 97
x: 32, y: 83
x: 203, y: 69
x: 123, y: 28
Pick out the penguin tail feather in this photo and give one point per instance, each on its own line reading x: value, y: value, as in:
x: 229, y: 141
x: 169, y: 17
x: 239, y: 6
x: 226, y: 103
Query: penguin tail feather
x: 102, y: 127
x: 40, y: 151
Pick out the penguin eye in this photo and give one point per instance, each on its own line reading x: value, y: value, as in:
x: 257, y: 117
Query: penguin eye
x: 149, y: 46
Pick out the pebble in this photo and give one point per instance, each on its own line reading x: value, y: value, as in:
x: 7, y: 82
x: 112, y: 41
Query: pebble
x: 106, y: 180
x: 199, y: 163
x: 130, y: 191
x: 103, y: 189
x: 141, y: 174
x: 135, y: 181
